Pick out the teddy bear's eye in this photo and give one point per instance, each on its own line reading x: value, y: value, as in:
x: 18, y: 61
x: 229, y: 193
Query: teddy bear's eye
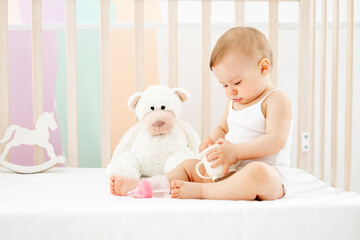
x: 162, y: 107
x: 152, y: 108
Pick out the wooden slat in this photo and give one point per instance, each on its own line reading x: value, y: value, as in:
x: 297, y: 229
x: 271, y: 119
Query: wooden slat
x: 349, y: 92
x: 258, y: 0
x: 239, y: 13
x: 4, y: 73
x: 323, y: 89
x: 206, y: 81
x: 139, y: 45
x: 71, y: 72
x: 273, y: 37
x: 312, y: 88
x: 334, y: 93
x: 37, y: 74
x: 303, y: 81
x: 173, y: 43
x: 105, y: 83
x: 252, y: 0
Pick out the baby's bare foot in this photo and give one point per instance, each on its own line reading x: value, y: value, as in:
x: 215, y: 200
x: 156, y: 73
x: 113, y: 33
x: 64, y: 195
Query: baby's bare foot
x: 121, y: 185
x: 112, y: 184
x: 182, y: 189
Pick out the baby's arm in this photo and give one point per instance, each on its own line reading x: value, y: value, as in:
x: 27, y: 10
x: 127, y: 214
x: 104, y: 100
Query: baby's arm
x: 278, y: 115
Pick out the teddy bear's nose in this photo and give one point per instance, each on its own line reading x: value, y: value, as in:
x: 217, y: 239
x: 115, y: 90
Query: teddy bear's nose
x: 158, y: 123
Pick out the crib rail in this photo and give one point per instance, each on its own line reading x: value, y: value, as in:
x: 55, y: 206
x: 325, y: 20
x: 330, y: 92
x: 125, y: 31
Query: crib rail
x: 105, y: 82
x: 71, y: 83
x: 306, y: 77
x: 349, y: 92
x: 4, y: 74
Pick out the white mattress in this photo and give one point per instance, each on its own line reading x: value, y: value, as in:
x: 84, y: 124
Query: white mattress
x: 75, y: 203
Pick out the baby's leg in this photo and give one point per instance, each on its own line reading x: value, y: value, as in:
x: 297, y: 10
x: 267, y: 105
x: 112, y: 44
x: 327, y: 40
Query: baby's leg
x: 256, y: 180
x: 185, y: 172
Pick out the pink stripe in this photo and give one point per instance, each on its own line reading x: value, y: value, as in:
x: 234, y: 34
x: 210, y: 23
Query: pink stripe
x: 49, y: 75
x: 21, y: 99
x: 20, y: 87
x: 25, y: 11
x: 53, y: 11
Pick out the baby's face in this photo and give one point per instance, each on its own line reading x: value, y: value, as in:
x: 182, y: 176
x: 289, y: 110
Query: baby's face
x: 243, y: 81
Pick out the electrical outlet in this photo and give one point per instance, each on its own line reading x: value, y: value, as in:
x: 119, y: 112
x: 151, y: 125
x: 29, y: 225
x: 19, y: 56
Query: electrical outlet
x: 305, y: 141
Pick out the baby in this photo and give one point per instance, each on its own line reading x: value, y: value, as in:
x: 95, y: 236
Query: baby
x: 253, y: 132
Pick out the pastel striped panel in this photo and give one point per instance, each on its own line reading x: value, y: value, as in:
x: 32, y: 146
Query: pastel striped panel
x: 89, y: 113
x: 20, y: 88
x: 123, y: 77
x: 25, y: 11
x: 88, y: 74
x: 54, y: 74
x: 60, y: 95
x: 122, y: 82
x: 52, y: 11
x: 13, y: 12
x: 87, y: 11
x: 122, y: 54
x: 50, y: 65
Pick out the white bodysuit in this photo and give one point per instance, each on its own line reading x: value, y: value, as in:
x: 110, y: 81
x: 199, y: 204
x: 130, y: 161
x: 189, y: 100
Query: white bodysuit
x: 248, y: 124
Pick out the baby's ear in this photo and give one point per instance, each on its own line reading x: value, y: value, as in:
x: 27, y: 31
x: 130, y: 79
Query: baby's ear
x: 133, y: 100
x: 182, y: 93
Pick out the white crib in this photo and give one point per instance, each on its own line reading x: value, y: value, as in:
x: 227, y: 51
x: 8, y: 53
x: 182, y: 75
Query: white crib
x: 75, y: 203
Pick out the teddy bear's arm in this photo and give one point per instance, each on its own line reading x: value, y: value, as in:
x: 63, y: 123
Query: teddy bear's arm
x: 126, y: 140
x: 125, y: 164
x: 192, y: 137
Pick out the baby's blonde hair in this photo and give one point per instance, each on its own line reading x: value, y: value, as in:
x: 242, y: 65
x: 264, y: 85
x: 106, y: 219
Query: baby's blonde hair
x: 246, y: 42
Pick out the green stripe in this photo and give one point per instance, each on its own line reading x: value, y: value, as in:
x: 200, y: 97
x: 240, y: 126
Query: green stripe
x: 88, y: 83
x: 87, y: 11
x: 112, y: 12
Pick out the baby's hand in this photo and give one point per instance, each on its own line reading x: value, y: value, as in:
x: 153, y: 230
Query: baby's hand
x: 224, y: 154
x: 207, y: 142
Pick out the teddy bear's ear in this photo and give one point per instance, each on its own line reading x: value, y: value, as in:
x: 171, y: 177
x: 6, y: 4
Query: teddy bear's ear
x: 133, y: 100
x: 182, y: 93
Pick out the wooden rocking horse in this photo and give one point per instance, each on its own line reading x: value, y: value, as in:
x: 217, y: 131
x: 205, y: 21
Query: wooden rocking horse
x: 39, y: 137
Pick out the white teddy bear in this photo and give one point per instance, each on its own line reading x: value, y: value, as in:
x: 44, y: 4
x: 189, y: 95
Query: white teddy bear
x: 160, y: 140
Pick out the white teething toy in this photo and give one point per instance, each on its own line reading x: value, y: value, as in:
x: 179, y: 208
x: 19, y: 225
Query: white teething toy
x: 214, y: 173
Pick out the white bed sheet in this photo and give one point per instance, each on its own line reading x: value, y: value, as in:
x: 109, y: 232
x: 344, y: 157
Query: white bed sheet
x: 75, y: 203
